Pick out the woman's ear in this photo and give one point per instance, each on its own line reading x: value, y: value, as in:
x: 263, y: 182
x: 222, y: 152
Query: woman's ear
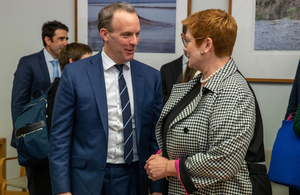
x: 208, y: 44
x: 70, y: 60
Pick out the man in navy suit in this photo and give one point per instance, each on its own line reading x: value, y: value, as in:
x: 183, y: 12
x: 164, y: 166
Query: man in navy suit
x: 87, y: 153
x: 36, y: 72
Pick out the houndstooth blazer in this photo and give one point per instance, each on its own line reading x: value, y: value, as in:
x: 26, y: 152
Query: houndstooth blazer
x: 211, y: 135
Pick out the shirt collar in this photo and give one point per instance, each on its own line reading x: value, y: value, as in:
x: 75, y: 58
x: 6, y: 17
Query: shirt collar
x: 227, y: 70
x: 108, y: 62
x: 184, y: 59
x: 48, y: 57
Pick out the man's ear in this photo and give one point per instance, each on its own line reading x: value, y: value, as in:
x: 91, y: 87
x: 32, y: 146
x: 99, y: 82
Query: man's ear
x: 104, y: 34
x: 70, y: 60
x: 182, y: 35
x: 47, y: 40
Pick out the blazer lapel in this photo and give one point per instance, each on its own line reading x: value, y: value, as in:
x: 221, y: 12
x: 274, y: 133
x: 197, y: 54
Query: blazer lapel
x: 178, y: 68
x: 187, y: 110
x: 138, y: 82
x: 178, y: 93
x: 96, y: 75
x: 44, y: 68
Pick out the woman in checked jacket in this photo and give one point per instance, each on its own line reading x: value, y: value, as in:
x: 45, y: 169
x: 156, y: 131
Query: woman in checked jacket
x: 207, y: 124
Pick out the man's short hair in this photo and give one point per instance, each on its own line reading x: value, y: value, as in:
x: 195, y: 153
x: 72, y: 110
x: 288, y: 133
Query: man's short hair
x: 49, y: 28
x: 106, y: 14
x: 184, y: 29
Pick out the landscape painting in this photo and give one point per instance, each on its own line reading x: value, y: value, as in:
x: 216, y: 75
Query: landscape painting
x: 157, y: 19
x: 277, y: 25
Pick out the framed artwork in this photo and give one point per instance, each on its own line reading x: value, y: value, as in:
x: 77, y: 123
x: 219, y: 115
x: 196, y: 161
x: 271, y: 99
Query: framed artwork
x: 160, y: 40
x: 263, y: 65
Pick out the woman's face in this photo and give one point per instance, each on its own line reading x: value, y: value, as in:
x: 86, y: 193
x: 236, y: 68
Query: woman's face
x: 192, y: 51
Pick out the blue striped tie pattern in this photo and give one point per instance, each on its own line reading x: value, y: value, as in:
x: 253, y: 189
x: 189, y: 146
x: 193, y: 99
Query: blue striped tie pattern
x: 55, y: 69
x: 127, y: 117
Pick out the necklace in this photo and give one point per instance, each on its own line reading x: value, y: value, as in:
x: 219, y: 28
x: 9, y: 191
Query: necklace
x: 210, y: 76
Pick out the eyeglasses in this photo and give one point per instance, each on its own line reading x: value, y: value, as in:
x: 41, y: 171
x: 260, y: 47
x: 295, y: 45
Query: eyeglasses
x: 185, y: 42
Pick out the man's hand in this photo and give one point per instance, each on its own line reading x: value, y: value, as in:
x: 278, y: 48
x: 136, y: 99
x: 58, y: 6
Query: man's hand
x: 65, y: 193
x: 156, y: 193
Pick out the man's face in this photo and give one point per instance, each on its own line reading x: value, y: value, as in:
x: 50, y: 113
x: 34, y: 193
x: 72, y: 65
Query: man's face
x: 59, y: 40
x: 120, y: 44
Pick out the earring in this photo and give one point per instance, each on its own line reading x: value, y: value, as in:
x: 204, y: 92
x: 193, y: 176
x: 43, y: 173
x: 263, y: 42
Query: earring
x: 201, y: 52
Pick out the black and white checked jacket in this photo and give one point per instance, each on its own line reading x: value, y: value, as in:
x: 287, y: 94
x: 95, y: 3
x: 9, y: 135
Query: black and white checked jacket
x: 211, y: 135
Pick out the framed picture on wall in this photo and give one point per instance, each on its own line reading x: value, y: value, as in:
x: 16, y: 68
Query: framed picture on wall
x: 277, y: 26
x: 259, y: 48
x: 160, y: 21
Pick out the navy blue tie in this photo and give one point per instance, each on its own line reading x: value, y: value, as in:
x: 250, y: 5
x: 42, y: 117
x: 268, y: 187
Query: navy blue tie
x: 127, y: 117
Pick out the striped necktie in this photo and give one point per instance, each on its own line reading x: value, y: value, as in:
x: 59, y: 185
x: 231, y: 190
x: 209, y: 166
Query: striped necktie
x: 127, y: 117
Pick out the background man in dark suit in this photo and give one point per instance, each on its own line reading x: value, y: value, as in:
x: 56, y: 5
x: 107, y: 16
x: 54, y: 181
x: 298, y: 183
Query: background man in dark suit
x: 36, y: 72
x: 87, y: 142
x: 171, y: 71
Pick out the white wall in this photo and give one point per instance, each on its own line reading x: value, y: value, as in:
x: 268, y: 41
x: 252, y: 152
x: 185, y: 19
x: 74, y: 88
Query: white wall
x: 20, y: 34
x: 273, y: 100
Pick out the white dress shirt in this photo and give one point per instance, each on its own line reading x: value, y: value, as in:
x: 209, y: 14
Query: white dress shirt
x: 185, y: 60
x: 115, y: 151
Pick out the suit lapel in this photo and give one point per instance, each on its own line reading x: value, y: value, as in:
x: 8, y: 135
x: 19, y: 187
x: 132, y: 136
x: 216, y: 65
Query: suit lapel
x: 178, y: 68
x: 44, y: 68
x: 187, y: 110
x: 96, y: 76
x: 138, y: 82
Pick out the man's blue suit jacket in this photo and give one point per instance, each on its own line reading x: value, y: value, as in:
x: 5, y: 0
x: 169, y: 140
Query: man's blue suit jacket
x: 31, y: 74
x: 79, y: 133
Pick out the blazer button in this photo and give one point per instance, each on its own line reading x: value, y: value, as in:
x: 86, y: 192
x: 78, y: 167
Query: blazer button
x: 103, y: 168
x: 105, y: 145
x: 185, y: 130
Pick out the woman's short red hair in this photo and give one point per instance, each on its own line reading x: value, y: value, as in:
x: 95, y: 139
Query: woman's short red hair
x: 216, y: 24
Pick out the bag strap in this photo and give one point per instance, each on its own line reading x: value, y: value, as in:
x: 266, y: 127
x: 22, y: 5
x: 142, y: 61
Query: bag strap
x: 41, y: 92
x: 256, y: 152
x: 291, y: 116
x: 29, y: 128
x: 55, y: 81
x: 36, y: 94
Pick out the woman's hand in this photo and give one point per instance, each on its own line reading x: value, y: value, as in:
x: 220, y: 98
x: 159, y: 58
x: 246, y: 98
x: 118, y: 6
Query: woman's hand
x: 155, y: 167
